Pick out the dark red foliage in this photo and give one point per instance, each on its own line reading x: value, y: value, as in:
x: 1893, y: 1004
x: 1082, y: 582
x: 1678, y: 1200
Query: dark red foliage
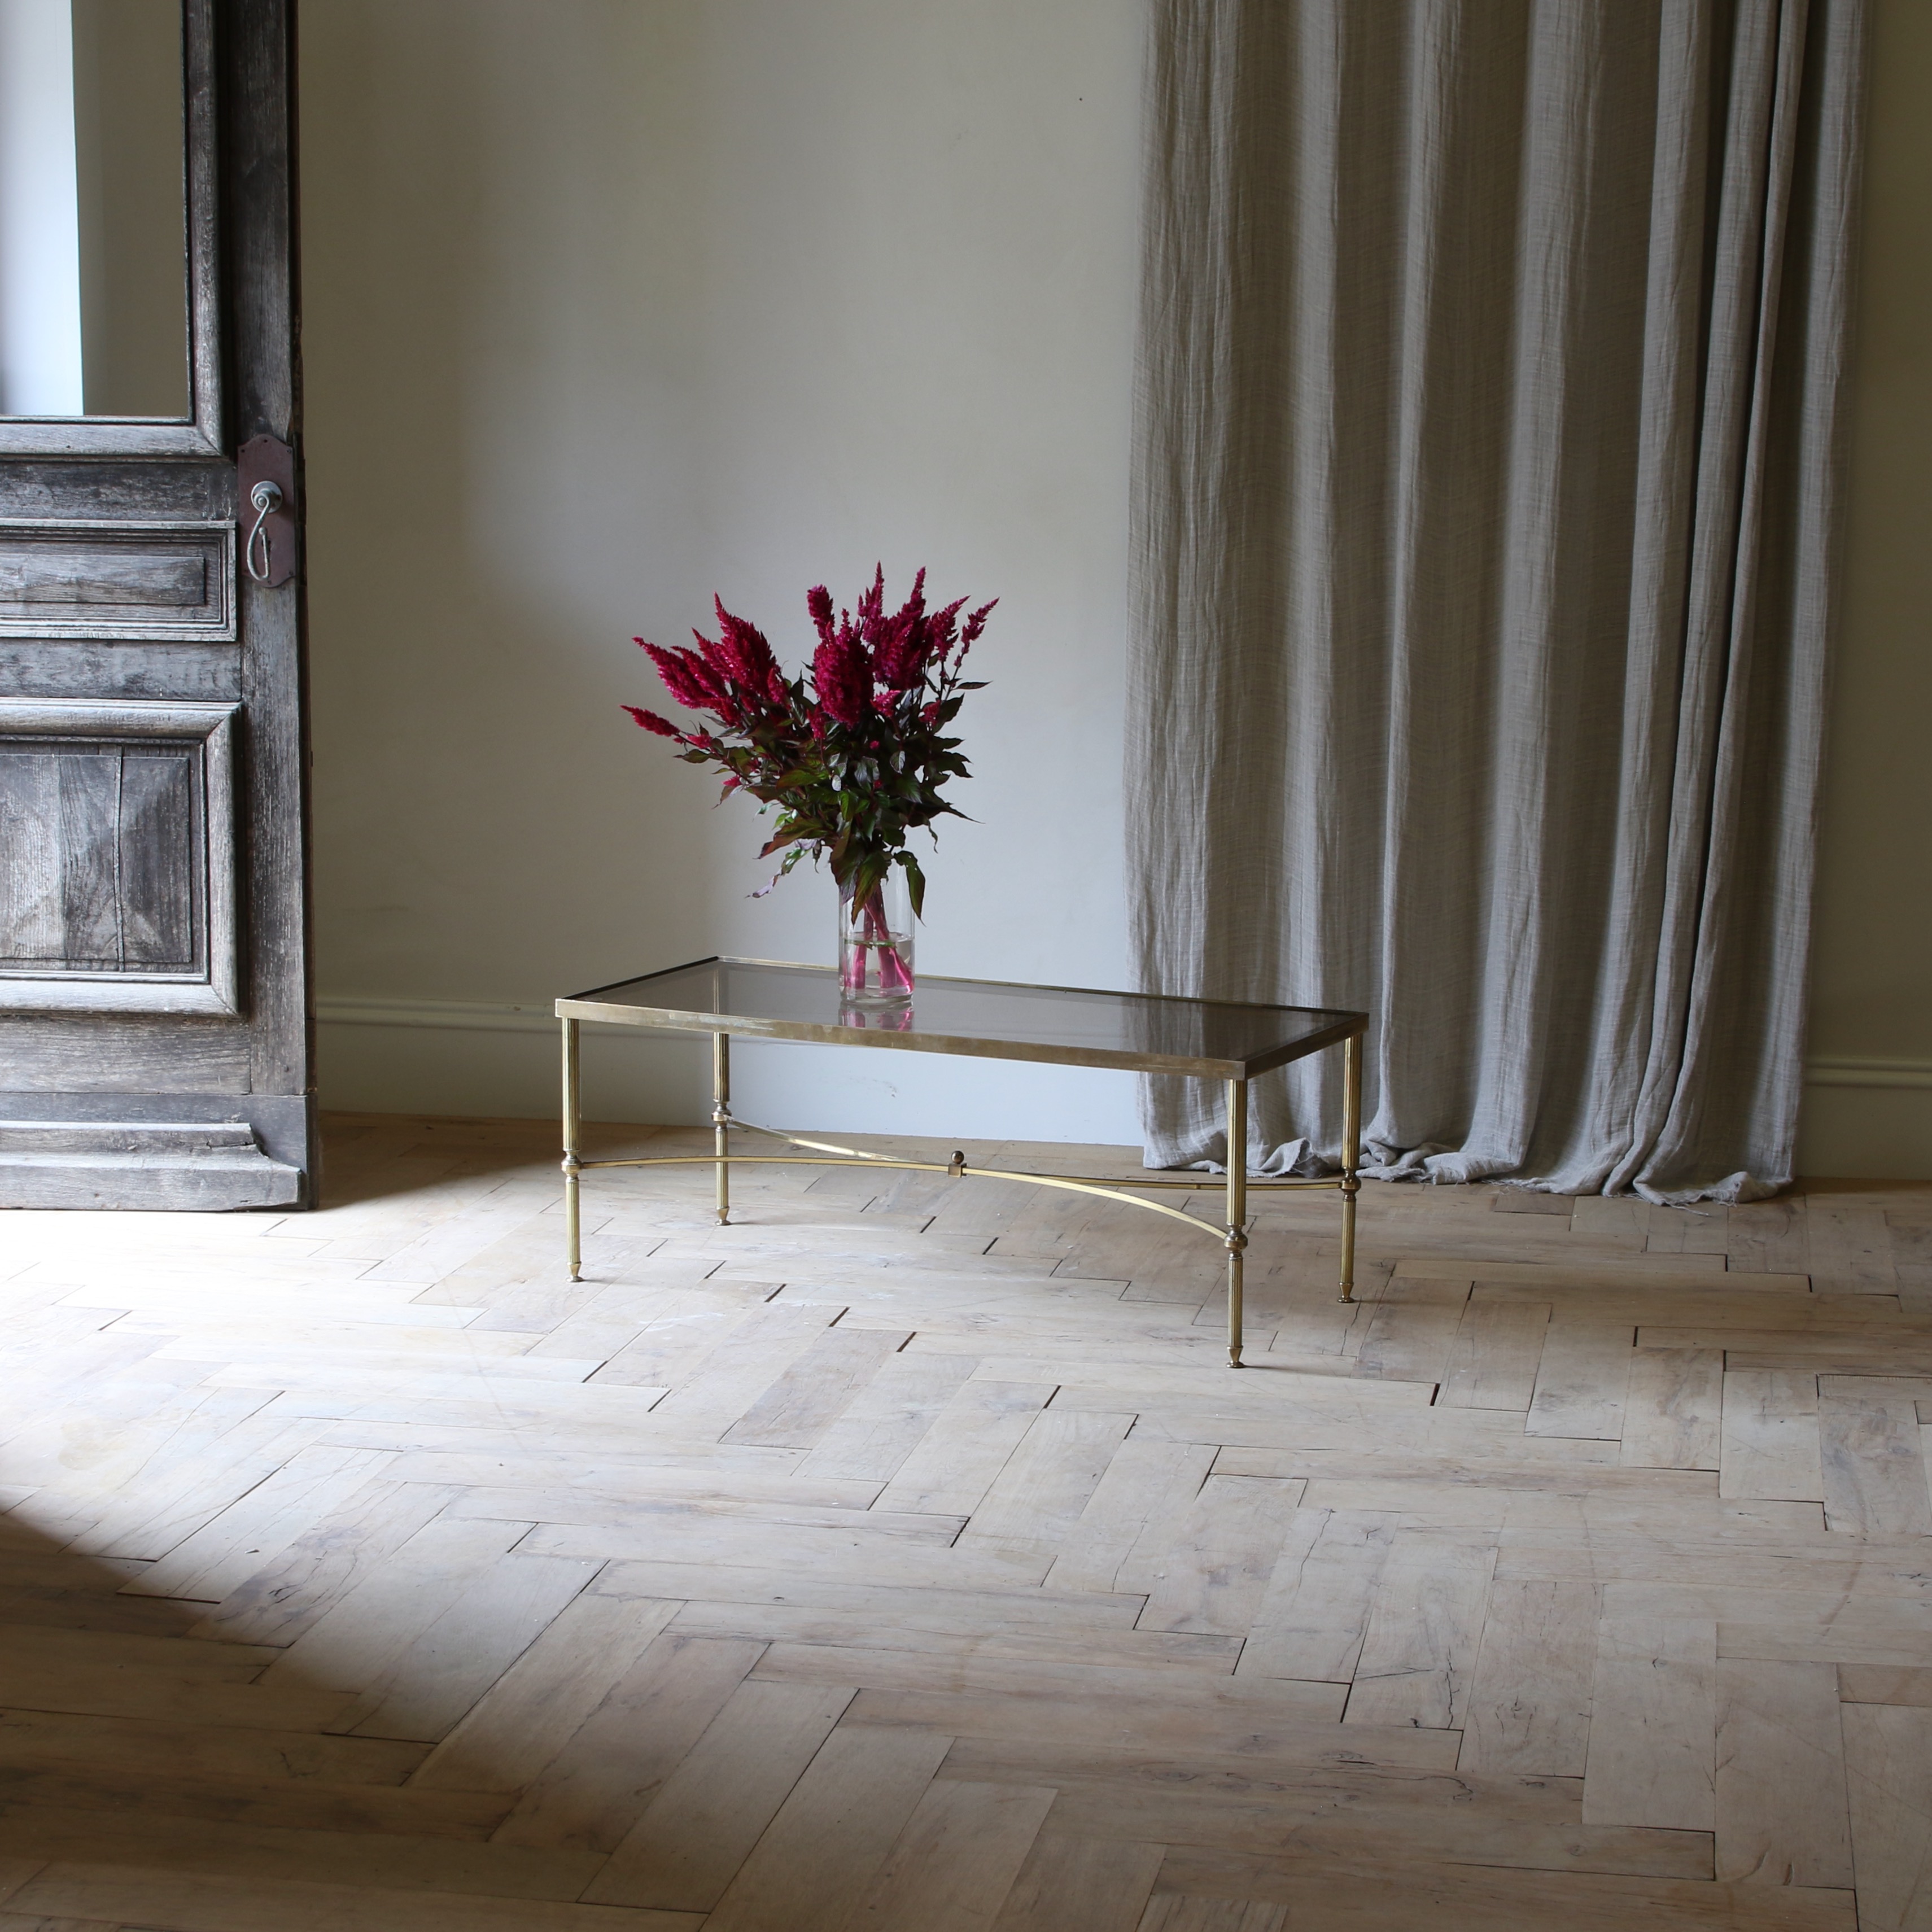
x: 853, y: 757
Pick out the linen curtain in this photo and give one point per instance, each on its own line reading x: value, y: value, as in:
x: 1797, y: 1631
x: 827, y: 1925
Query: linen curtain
x: 1485, y: 484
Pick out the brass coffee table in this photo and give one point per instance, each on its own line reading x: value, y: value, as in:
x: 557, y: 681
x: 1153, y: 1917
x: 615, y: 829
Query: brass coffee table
x: 1068, y: 1026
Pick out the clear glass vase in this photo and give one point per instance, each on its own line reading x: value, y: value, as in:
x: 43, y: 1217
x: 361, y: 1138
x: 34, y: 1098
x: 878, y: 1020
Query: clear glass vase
x: 875, y: 945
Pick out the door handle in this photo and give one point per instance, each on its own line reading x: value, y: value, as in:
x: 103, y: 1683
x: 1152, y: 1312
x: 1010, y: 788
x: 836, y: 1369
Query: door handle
x: 267, y: 498
x: 265, y: 485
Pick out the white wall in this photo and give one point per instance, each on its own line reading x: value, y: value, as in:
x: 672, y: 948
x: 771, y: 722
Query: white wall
x: 611, y: 302
x: 1869, y: 1109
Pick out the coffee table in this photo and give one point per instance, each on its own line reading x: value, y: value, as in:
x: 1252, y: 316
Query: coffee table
x: 1067, y: 1026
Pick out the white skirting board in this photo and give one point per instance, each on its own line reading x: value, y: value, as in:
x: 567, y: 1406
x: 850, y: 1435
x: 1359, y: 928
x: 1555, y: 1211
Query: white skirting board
x: 1868, y: 1118
x: 1871, y: 1117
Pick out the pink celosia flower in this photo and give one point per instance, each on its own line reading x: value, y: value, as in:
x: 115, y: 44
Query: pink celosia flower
x: 651, y: 721
x: 843, y: 680
x: 853, y: 755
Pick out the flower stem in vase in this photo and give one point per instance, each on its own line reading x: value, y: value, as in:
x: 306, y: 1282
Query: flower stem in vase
x: 875, y: 945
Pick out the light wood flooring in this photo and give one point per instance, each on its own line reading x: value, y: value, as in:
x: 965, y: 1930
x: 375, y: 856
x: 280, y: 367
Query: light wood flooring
x: 904, y: 1558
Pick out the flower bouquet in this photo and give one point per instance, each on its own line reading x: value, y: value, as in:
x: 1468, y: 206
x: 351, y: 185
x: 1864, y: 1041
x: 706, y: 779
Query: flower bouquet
x: 850, y: 754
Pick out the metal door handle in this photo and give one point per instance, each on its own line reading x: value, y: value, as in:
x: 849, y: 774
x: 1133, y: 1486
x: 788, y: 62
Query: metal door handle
x: 267, y: 498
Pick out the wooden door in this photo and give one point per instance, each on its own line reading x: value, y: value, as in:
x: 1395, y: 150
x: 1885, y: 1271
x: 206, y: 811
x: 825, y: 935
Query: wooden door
x: 154, y: 956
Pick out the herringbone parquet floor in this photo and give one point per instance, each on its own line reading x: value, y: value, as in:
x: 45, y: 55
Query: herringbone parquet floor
x: 905, y: 1558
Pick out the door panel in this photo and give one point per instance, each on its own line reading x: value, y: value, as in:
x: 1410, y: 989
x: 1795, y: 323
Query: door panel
x: 168, y: 582
x: 117, y: 858
x: 153, y: 959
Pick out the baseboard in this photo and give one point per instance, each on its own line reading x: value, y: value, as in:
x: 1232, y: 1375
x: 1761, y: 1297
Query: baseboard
x: 1849, y: 1070
x: 457, y: 1015
x: 1866, y: 1115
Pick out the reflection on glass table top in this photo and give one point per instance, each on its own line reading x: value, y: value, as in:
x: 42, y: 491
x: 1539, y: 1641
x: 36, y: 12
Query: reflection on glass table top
x: 1075, y: 1025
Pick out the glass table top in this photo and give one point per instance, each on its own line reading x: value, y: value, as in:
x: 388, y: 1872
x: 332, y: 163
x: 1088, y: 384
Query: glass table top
x: 1074, y: 1026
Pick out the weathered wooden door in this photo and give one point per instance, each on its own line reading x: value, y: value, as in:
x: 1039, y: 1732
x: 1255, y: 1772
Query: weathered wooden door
x: 154, y: 956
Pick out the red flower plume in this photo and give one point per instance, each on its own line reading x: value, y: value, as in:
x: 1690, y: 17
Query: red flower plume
x: 651, y: 721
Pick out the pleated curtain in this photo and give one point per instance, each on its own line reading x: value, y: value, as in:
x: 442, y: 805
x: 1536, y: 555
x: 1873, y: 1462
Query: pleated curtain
x: 1485, y: 491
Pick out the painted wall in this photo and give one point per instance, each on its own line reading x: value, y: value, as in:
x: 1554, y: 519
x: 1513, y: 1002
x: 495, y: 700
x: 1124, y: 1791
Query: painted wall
x: 611, y: 302
x: 1869, y: 1109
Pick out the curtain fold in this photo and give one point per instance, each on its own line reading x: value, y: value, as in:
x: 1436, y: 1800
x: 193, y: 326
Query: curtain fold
x: 1485, y: 487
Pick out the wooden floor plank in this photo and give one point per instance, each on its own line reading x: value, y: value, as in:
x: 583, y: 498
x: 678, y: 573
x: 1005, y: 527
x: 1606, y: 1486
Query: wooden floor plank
x: 1674, y: 1408
x: 956, y: 1860
x: 1652, y: 1754
x: 1225, y: 1553
x: 1780, y: 1783
x: 884, y: 1422
x: 1583, y: 1378
x: 1412, y: 1328
x: 818, y: 1859
x: 961, y: 1455
x: 1529, y: 1705
x: 1418, y: 1657
x: 1045, y: 1484
x: 76, y: 1894
x: 590, y: 1793
x: 1311, y: 1619
x: 1889, y: 1772
x: 535, y: 1708
x: 1172, y: 1913
x: 712, y: 1810
x: 1770, y: 1448
x: 1874, y: 1466
x: 1072, y: 1884
x: 818, y: 1388
x: 425, y: 1689
x: 1248, y: 1814
x: 296, y: 1588
x: 1385, y: 1896
x: 363, y: 1634
x: 1493, y: 1359
x: 1137, y: 1507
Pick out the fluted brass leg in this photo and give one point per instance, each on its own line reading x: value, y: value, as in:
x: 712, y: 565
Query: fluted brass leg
x: 721, y: 1119
x: 1237, y: 1211
x: 1351, y: 1155
x: 573, y: 1226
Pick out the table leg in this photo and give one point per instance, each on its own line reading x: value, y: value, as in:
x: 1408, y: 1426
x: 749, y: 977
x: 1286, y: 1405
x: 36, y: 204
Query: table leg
x: 721, y: 1117
x: 1237, y: 1211
x: 573, y: 1228
x: 1352, y: 1154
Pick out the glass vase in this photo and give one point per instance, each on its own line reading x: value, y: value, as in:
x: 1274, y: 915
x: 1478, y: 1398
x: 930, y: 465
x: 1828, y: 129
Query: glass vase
x: 875, y: 945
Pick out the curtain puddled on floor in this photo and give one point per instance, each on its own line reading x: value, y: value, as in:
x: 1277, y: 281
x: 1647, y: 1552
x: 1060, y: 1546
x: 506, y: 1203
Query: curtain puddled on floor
x: 1486, y: 478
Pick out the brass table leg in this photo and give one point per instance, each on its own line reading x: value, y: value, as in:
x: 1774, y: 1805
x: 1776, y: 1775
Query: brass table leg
x: 572, y: 1166
x: 721, y: 1119
x: 1352, y: 1154
x: 1237, y: 1211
